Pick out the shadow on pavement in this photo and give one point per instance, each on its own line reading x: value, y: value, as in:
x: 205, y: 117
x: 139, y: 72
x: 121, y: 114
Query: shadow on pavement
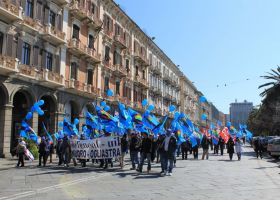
x: 148, y: 176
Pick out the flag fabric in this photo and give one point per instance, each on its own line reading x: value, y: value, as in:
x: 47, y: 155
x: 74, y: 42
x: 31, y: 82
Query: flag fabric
x: 159, y: 129
x: 48, y: 135
x: 225, y: 134
x: 215, y: 137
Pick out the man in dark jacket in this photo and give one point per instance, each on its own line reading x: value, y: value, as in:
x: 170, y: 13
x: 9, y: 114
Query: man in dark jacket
x: 258, y: 147
x: 221, y: 143
x: 66, y: 150
x: 161, y: 151
x: 170, y: 145
x: 58, y: 151
x: 146, y: 151
x: 43, y: 151
x: 205, y: 147
x: 134, y: 150
x: 230, y: 147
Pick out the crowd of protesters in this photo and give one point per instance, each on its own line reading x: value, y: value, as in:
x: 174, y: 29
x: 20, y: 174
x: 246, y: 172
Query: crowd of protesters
x: 142, y: 148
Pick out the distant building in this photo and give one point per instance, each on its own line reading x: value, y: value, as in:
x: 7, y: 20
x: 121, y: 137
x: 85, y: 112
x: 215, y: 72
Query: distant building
x: 239, y: 112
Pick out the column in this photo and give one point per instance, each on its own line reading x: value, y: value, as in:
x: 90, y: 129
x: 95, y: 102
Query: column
x: 35, y: 120
x: 5, y: 129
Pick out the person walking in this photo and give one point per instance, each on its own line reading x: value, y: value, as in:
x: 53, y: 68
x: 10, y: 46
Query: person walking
x: 221, y: 144
x: 161, y: 152
x: 66, y: 150
x: 58, y: 151
x: 205, y: 147
x: 258, y: 147
x: 83, y: 161
x: 20, y: 149
x: 146, y: 150
x: 134, y: 147
x: 43, y: 151
x: 195, y: 150
x: 230, y: 148
x: 238, y: 148
x: 170, y: 147
x: 184, y: 150
x: 124, y: 149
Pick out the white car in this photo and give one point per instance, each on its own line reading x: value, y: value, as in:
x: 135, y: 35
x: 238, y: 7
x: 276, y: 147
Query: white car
x: 273, y: 147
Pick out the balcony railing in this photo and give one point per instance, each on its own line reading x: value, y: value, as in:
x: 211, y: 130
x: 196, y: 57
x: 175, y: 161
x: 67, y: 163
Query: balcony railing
x: 10, y: 9
x: 7, y: 64
x: 81, y: 12
x: 141, y: 58
x: 32, y: 24
x: 108, y: 65
x: 76, y: 47
x: 141, y: 81
x: 120, y: 70
x: 52, y: 33
x: 119, y: 40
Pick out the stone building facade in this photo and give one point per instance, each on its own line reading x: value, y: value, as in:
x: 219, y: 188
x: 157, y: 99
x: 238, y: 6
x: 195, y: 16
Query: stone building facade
x: 69, y: 53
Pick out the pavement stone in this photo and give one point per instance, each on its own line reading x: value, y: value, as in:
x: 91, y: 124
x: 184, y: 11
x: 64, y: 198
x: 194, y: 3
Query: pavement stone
x: 216, y: 178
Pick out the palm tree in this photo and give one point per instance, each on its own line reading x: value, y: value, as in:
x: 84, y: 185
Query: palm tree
x: 274, y: 76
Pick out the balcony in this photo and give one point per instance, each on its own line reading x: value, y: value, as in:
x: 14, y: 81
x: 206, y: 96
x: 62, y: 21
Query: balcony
x: 53, y: 35
x: 79, y: 49
x: 31, y: 25
x: 108, y: 65
x: 167, y: 97
x: 166, y: 78
x: 141, y: 82
x: 50, y: 79
x: 119, y: 41
x: 28, y: 72
x: 10, y: 11
x: 108, y: 36
x: 80, y: 11
x: 156, y: 69
x: 8, y: 65
x: 141, y: 58
x: 120, y: 70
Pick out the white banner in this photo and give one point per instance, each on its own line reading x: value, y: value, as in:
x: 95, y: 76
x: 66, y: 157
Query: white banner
x: 99, y: 148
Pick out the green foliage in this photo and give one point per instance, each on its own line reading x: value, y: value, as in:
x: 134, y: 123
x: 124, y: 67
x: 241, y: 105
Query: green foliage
x: 33, y: 148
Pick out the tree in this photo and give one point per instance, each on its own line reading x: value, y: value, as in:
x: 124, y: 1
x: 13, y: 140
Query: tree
x: 274, y: 76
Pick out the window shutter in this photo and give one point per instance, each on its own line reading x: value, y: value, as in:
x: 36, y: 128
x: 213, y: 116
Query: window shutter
x: 59, y: 22
x: 57, y: 64
x: 44, y: 54
x: 112, y: 26
x: 19, y: 49
x: 38, y: 12
x: 47, y: 13
x: 35, y: 55
x: 10, y: 41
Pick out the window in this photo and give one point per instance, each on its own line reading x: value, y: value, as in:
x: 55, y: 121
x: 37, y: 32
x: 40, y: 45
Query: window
x: 106, y: 84
x: 136, y: 71
x: 52, y: 18
x: 127, y: 65
x: 143, y: 74
x: 49, y: 60
x: 93, y: 8
x: 76, y: 31
x: 107, y: 54
x: 29, y: 8
x: 118, y: 87
x: 1, y: 42
x: 117, y: 58
x: 90, y: 76
x: 74, y: 69
x: 117, y: 30
x: 91, y: 42
x: 26, y: 49
x: 107, y: 23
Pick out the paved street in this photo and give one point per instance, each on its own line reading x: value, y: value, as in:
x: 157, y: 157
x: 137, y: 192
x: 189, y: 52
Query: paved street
x: 216, y: 178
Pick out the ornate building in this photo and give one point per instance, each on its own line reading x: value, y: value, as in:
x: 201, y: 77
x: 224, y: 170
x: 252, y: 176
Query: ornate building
x: 69, y: 53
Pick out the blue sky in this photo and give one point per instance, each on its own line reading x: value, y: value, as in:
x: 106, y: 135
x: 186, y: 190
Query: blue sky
x: 219, y: 44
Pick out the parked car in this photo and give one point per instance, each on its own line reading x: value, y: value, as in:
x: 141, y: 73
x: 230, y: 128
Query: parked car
x: 273, y: 147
